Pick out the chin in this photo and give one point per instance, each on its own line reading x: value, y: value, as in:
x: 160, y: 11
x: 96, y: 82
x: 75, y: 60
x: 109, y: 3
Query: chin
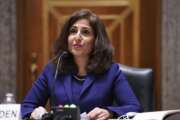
x: 77, y: 53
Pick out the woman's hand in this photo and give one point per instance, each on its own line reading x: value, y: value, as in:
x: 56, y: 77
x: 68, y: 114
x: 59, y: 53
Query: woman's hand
x: 38, y: 113
x: 99, y: 114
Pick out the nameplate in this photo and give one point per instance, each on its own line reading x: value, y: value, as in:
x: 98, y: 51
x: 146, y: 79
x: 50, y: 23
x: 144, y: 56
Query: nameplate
x: 10, y: 112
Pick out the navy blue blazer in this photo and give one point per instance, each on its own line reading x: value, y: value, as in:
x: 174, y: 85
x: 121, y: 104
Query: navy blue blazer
x: 98, y: 91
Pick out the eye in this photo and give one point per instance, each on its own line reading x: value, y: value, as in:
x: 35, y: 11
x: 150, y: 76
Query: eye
x: 73, y: 31
x: 86, y: 32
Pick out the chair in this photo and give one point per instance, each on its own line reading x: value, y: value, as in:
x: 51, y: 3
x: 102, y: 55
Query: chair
x: 141, y: 82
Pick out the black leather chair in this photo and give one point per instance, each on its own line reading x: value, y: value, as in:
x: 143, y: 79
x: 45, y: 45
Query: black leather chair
x: 141, y: 82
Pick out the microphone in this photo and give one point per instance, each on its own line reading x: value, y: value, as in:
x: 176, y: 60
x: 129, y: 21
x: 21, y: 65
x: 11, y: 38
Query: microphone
x: 60, y: 113
x: 62, y: 55
x: 58, y: 66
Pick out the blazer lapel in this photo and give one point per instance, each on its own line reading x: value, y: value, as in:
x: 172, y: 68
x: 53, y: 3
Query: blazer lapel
x: 67, y: 87
x: 87, y: 83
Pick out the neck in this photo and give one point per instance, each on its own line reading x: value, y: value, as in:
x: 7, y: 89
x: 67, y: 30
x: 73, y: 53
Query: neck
x: 82, y: 64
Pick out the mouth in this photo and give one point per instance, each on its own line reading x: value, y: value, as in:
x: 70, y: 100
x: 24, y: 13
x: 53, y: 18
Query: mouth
x: 77, y: 46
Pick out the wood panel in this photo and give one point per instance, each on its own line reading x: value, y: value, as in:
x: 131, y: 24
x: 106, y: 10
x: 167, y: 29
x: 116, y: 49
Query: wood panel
x: 130, y: 28
x: 117, y: 16
x: 29, y: 42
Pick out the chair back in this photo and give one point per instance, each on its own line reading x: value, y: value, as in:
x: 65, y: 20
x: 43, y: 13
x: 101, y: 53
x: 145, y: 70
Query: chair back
x: 141, y: 82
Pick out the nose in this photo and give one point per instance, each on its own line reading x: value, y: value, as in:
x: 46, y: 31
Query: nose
x: 78, y: 36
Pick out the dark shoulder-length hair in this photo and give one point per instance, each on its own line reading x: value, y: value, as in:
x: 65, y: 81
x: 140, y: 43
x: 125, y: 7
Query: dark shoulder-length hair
x: 101, y: 56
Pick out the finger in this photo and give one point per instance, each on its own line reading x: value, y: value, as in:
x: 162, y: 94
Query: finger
x: 105, y: 114
x: 102, y: 118
x: 41, y: 111
x: 38, y: 112
x: 94, y: 113
x: 101, y: 115
x: 34, y: 114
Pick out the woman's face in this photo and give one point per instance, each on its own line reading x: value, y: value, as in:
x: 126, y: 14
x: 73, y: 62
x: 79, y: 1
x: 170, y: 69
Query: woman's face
x: 81, y: 38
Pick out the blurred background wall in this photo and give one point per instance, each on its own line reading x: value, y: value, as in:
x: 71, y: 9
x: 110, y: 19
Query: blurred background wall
x: 7, y: 47
x: 170, y: 51
x: 170, y: 54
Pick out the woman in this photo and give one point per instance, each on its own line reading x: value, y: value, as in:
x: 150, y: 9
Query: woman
x: 85, y: 76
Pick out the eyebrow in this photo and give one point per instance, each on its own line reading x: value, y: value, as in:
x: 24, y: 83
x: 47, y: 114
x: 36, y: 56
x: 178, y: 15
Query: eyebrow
x: 87, y: 27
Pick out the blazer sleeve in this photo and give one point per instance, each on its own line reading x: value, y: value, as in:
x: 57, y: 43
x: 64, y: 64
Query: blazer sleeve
x: 37, y: 95
x: 125, y: 98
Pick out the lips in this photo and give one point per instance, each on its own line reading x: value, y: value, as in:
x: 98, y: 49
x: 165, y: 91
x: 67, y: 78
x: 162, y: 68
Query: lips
x: 77, y: 46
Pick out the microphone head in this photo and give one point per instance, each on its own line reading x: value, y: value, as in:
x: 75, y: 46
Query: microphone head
x: 63, y: 54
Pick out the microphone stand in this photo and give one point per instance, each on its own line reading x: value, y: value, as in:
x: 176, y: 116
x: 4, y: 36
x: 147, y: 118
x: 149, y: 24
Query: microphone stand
x: 57, y: 113
x: 49, y: 116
